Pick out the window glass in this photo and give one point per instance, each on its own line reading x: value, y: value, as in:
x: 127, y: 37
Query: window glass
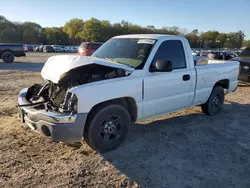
x: 171, y: 50
x: 128, y: 51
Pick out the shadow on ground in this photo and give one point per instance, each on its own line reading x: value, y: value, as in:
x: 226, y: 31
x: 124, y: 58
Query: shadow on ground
x: 189, y: 151
x: 36, y: 67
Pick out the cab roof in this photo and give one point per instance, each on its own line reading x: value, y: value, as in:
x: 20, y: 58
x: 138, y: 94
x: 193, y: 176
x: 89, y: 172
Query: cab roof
x: 149, y: 36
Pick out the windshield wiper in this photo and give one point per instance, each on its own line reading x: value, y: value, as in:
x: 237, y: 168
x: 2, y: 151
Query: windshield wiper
x: 112, y: 60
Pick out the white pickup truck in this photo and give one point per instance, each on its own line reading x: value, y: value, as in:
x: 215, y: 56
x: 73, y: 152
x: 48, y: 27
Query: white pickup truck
x: 128, y: 79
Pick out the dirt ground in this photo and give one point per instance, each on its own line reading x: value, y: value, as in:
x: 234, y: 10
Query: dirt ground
x: 183, y: 149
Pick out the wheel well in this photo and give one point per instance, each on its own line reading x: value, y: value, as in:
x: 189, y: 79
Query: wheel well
x: 127, y: 102
x: 223, y: 83
x: 5, y: 51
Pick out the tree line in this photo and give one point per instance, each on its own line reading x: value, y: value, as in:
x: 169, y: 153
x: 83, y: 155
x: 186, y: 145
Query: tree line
x: 77, y: 30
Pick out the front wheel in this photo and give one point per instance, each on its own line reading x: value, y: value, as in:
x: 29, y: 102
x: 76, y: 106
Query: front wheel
x: 215, y: 102
x: 107, y: 128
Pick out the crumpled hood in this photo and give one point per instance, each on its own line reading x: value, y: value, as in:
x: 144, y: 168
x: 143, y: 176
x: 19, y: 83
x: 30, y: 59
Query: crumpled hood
x: 60, y: 64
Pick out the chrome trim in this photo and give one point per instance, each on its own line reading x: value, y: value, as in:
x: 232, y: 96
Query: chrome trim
x: 44, y: 115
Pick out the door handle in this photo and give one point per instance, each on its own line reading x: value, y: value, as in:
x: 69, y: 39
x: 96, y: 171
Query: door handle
x: 186, y: 77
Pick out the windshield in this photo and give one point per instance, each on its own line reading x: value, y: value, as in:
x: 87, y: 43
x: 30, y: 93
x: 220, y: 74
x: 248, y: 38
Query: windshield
x: 245, y: 53
x: 128, y: 51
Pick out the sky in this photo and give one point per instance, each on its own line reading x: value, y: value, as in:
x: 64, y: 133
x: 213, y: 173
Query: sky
x: 221, y: 15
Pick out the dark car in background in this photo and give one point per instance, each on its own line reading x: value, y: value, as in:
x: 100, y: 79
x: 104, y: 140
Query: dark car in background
x: 8, y: 52
x: 30, y: 48
x: 244, y: 59
x: 48, y: 49
x: 226, y: 55
x: 88, y: 48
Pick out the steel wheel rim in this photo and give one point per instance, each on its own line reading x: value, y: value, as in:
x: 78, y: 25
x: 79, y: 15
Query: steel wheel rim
x: 110, y: 129
x: 216, y: 103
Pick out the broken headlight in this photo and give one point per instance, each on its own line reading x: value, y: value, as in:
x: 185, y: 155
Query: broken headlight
x: 69, y: 104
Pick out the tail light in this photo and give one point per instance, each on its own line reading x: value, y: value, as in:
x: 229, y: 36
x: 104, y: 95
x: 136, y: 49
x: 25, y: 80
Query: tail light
x: 22, y: 48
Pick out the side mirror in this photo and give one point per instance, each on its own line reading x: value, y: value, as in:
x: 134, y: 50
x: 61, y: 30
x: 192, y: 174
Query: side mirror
x: 162, y: 66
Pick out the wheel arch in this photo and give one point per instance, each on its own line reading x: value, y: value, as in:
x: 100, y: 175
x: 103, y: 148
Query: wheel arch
x: 128, y: 103
x: 223, y: 83
x: 6, y: 50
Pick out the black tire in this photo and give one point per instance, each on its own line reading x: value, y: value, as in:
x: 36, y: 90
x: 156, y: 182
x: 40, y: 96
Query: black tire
x: 8, y: 57
x: 107, y: 128
x: 215, y: 102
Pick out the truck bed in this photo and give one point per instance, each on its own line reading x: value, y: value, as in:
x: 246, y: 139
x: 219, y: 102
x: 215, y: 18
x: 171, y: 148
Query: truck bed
x: 209, y: 71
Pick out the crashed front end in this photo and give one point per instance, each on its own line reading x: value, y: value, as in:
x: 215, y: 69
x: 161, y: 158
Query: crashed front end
x: 51, y: 109
x: 52, y: 112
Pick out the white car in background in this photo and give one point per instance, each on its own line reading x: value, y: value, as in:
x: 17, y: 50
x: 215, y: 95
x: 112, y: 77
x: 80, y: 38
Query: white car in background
x: 68, y: 49
x: 57, y: 48
x: 25, y: 48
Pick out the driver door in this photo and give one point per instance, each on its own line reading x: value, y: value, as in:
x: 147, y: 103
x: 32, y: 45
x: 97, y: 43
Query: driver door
x: 165, y: 92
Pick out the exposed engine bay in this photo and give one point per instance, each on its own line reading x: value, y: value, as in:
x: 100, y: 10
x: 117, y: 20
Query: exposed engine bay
x: 55, y: 96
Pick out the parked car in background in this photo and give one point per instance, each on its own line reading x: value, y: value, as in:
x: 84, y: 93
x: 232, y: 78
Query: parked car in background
x: 30, y: 48
x: 194, y: 53
x: 130, y: 78
x: 40, y: 49
x: 88, y: 48
x: 204, y: 53
x: 57, y: 48
x: 226, y: 55
x: 74, y: 49
x: 8, y: 52
x: 244, y: 59
x: 25, y: 48
x: 37, y: 49
x: 68, y: 49
x: 63, y: 48
x: 48, y: 49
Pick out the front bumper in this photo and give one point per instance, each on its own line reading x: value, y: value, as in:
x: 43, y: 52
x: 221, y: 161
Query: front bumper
x: 244, y: 77
x: 57, y: 126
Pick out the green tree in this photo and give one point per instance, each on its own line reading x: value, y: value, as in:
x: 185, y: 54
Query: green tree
x: 7, y: 31
x: 209, y: 39
x: 107, y: 30
x: 246, y: 43
x: 8, y: 35
x: 92, y: 30
x: 55, y: 35
x: 221, y: 40
x: 235, y: 39
x: 193, y: 38
x: 73, y: 28
x: 31, y: 32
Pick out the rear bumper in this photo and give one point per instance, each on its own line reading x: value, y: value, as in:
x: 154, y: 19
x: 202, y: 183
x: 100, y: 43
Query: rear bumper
x: 58, y: 127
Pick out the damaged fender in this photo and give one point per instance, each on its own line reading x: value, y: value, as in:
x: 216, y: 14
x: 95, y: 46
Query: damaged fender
x: 95, y: 93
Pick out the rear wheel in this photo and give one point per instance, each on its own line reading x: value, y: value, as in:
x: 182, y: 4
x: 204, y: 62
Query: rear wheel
x: 107, y: 128
x: 215, y: 102
x: 8, y: 57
